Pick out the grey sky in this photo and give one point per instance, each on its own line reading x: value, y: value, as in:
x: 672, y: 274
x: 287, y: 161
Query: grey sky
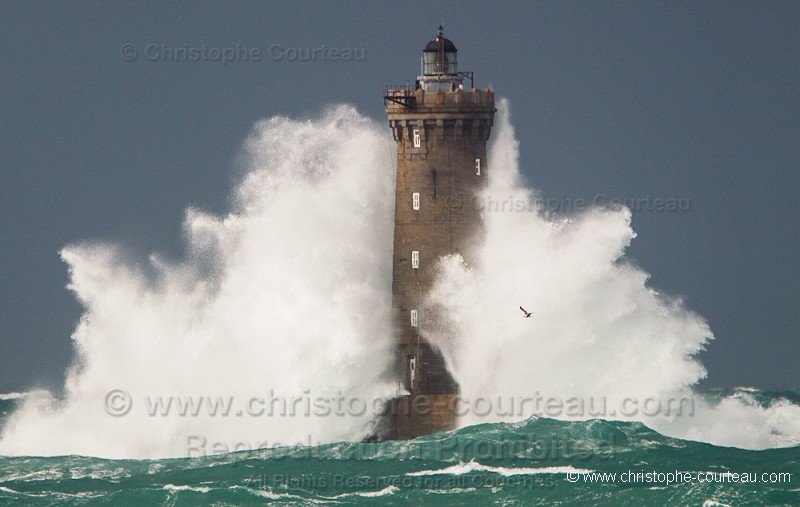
x: 629, y: 100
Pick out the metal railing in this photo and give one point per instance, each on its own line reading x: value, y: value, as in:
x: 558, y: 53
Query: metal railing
x: 402, y: 95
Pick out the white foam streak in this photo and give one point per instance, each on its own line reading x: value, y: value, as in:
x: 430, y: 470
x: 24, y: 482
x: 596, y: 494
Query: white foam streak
x: 473, y: 466
x: 17, y: 396
x: 173, y: 487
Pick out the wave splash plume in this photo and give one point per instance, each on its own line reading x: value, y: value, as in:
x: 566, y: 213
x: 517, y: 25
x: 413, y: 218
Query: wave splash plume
x: 600, y: 337
x: 291, y: 292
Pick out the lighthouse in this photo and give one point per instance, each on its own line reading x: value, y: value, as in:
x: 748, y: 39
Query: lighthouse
x: 441, y: 128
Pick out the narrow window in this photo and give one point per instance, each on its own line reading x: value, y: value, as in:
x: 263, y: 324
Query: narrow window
x: 414, y: 259
x: 477, y: 167
x: 413, y: 318
x: 412, y: 371
x: 417, y: 140
x: 415, y: 200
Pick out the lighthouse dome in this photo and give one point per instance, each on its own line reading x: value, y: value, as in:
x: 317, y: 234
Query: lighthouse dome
x: 441, y: 44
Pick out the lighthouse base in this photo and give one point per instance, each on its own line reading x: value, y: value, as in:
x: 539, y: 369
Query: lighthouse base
x: 415, y: 415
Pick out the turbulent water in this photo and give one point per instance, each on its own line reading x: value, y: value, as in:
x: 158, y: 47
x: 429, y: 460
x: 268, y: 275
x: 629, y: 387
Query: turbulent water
x: 536, y: 462
x: 271, y: 338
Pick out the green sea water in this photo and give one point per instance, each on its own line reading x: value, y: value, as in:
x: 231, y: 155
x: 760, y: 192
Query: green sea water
x: 535, y: 462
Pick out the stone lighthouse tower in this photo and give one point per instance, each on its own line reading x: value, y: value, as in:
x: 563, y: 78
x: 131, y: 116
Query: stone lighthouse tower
x: 441, y: 129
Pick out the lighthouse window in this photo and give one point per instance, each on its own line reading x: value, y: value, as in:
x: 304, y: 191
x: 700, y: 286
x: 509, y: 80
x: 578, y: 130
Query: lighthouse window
x: 413, y: 318
x: 414, y: 259
x: 477, y: 167
x: 415, y: 200
x: 412, y: 371
x: 417, y: 140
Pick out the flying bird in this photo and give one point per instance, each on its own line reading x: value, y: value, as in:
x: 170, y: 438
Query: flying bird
x: 527, y: 313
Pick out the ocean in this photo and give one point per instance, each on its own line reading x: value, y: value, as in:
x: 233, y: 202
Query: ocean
x: 539, y: 461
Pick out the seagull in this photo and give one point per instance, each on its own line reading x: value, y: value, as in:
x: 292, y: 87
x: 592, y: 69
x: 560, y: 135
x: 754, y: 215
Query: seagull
x: 527, y: 313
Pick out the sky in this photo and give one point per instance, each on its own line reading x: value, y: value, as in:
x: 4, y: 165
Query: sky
x: 106, y: 137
